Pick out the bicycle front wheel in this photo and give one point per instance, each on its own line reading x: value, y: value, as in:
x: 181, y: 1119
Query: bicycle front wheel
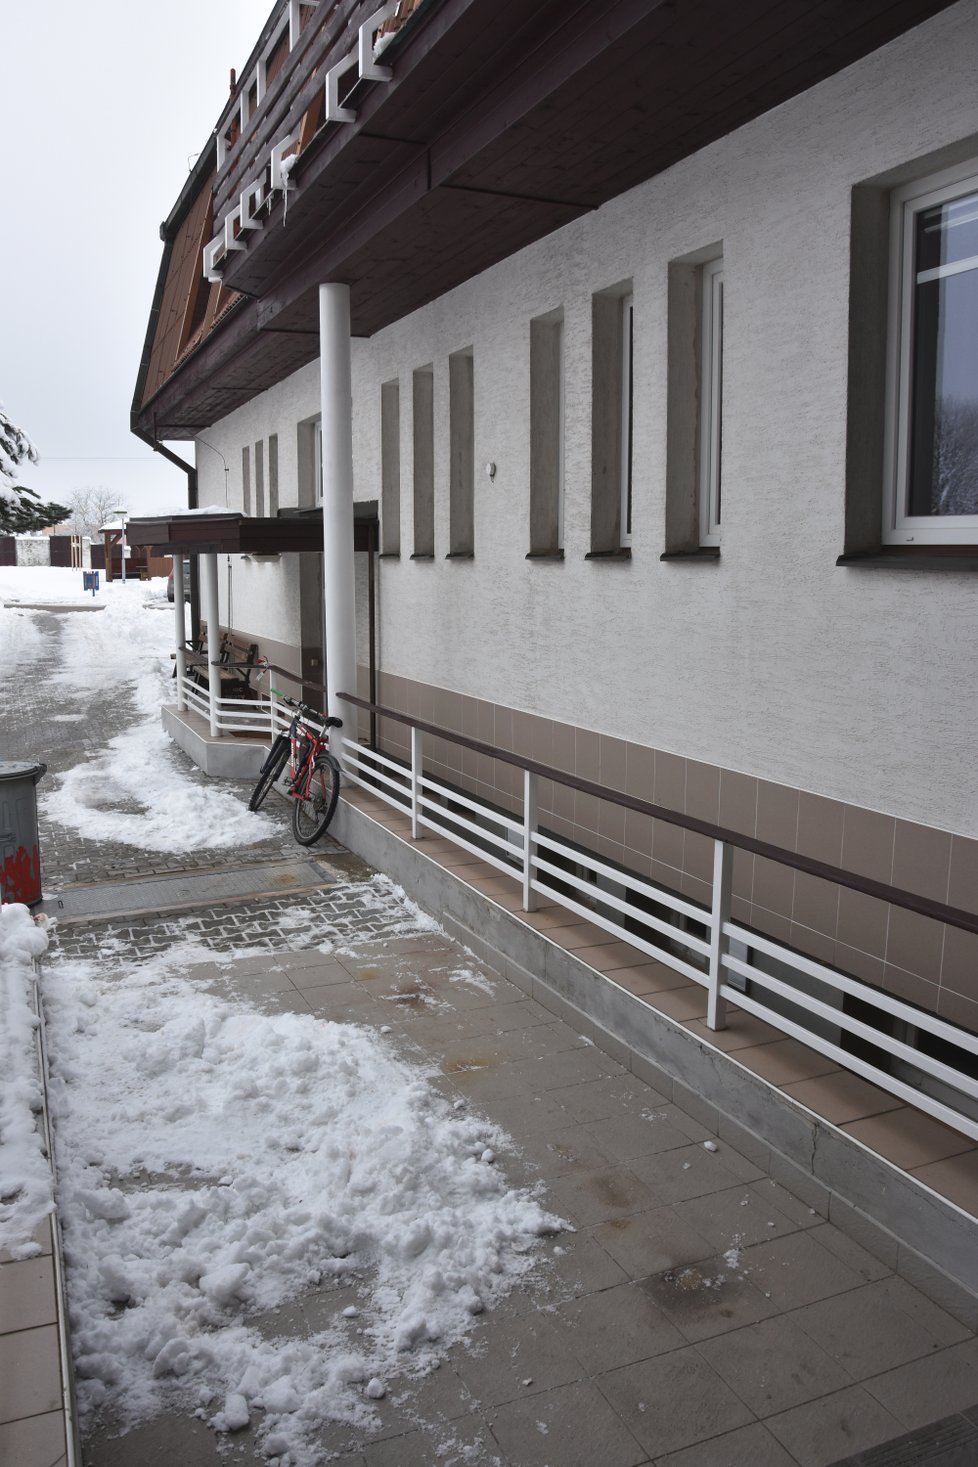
x: 271, y: 769
x: 313, y: 810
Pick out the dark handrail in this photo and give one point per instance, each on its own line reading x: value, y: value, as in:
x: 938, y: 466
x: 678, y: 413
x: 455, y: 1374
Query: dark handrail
x: 939, y: 911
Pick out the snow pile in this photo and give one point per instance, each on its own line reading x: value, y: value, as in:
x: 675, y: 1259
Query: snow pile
x: 54, y: 585
x: 216, y: 1161
x: 25, y: 1177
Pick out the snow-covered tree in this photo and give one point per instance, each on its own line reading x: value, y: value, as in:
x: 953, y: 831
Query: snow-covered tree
x: 90, y: 508
x: 21, y: 509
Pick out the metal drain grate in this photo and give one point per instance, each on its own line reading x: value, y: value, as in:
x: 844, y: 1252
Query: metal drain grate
x: 142, y: 894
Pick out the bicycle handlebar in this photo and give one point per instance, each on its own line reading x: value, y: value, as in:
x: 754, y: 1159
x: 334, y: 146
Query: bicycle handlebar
x: 305, y: 708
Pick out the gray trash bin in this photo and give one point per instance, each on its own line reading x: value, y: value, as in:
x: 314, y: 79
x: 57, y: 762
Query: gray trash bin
x: 20, y: 857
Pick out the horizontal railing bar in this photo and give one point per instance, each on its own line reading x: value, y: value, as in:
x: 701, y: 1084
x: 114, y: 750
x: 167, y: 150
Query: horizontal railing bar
x: 492, y: 836
x: 426, y: 782
x: 358, y: 753
x: 939, y: 911
x: 377, y: 774
x: 841, y: 981
x: 625, y: 878
x: 371, y: 788
x: 488, y: 856
x: 909, y: 1093
x: 661, y: 955
x: 668, y: 929
x: 921, y: 1061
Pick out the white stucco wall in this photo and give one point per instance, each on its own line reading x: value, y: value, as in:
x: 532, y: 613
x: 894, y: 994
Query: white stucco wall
x: 857, y: 685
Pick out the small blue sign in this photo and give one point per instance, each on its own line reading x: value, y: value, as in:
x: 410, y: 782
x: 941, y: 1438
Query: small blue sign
x: 90, y: 581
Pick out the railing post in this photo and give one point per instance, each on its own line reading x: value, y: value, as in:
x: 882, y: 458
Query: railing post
x: 716, y: 1011
x: 529, y: 831
x: 272, y: 712
x: 180, y: 627
x: 213, y: 643
x: 417, y: 755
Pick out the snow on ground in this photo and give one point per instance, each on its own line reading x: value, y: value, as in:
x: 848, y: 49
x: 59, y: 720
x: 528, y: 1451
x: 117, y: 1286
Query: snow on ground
x: 216, y: 1162
x: 137, y: 790
x: 26, y: 1194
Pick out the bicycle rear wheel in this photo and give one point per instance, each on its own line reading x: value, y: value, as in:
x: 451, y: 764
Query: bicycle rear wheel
x: 312, y: 812
x: 270, y: 770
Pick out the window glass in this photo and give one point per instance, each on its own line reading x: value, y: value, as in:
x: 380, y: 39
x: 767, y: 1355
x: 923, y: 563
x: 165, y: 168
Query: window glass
x: 943, y: 457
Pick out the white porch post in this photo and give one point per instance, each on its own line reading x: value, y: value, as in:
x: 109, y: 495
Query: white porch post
x: 180, y: 627
x: 212, y: 613
x: 337, y: 421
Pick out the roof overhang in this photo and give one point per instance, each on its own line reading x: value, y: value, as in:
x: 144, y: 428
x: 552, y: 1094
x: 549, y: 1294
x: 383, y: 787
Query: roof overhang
x: 239, y: 534
x: 501, y: 122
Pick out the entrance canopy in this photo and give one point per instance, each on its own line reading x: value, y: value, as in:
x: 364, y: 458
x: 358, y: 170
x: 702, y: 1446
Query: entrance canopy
x: 223, y: 532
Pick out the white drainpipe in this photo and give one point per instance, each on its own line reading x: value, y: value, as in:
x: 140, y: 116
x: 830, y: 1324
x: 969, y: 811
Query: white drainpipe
x: 180, y: 626
x: 212, y: 614
x: 339, y: 589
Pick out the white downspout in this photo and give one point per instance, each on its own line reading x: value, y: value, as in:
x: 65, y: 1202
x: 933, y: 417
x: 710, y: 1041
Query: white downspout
x: 339, y: 589
x: 212, y: 612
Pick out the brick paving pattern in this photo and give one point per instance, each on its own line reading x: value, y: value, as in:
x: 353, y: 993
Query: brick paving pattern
x: 698, y: 1315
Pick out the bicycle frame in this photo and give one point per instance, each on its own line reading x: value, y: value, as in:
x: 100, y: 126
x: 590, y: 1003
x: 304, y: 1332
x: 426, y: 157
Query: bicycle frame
x: 304, y: 745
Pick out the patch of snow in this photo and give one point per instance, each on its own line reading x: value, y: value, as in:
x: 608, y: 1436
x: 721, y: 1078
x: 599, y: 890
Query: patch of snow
x: 26, y: 1191
x: 216, y: 1161
x: 710, y: 1146
x: 474, y: 979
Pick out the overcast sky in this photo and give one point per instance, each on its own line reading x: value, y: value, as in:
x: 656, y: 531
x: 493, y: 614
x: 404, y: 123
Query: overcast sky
x: 103, y: 109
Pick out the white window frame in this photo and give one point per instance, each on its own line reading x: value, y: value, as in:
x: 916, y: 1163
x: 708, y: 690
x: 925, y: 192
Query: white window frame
x: 900, y: 528
x: 711, y: 399
x: 317, y: 461
x: 627, y: 415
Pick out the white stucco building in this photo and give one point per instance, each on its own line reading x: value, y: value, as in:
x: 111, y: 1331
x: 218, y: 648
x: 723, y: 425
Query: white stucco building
x: 676, y: 481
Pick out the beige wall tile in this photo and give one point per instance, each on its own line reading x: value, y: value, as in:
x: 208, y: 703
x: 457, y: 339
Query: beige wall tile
x: 777, y: 814
x: 958, y: 1009
x: 963, y: 884
x: 612, y: 755
x: 670, y: 781
x: 816, y: 904
x: 640, y: 771
x: 813, y: 944
x: 914, y: 943
x: 565, y: 747
x: 820, y: 823
x: 867, y: 843
x: 959, y: 966
x: 774, y: 886
x: 703, y: 791
x: 667, y: 843
x: 698, y: 856
x: 771, y: 924
x: 638, y: 831
x: 910, y: 987
x: 587, y: 754
x: 502, y: 727
x: 921, y: 860
x: 611, y: 822
x: 859, y: 964
x: 587, y: 810
x: 738, y: 802
x: 862, y: 922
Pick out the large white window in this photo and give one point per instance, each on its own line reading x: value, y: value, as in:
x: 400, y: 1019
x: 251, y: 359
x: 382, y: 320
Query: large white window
x: 931, y: 465
x: 711, y: 400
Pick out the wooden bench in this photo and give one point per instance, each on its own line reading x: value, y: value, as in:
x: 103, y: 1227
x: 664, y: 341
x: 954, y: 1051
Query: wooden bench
x: 239, y: 664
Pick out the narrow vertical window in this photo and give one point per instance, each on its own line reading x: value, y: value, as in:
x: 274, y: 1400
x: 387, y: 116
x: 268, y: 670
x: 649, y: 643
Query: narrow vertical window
x: 461, y: 452
x: 317, y: 461
x: 309, y: 463
x: 546, y: 435
x: 273, y: 474
x: 711, y: 401
x: 260, y: 478
x: 612, y: 402
x: 423, y: 407
x: 246, y: 479
x: 390, y: 468
x: 627, y: 358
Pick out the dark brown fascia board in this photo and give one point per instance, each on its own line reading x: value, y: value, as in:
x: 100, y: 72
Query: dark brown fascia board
x: 150, y: 337
x: 231, y: 335
x: 205, y: 164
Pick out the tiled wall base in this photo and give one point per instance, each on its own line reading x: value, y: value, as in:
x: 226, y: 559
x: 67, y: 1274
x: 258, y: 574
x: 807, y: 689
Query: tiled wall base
x: 920, y: 1235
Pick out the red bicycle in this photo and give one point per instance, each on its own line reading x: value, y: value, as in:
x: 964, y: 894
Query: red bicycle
x: 314, y: 774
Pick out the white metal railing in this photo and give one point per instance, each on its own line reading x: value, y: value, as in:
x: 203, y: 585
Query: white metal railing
x: 789, y: 991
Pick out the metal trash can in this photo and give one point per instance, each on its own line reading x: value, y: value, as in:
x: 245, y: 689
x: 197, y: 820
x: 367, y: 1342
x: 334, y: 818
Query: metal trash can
x: 20, y: 857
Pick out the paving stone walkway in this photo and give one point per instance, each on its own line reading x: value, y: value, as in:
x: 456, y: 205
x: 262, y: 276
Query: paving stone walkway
x: 699, y: 1315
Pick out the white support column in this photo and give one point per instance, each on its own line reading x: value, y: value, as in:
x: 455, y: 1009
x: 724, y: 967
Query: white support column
x: 212, y: 613
x: 417, y: 769
x: 180, y: 627
x: 529, y: 831
x: 337, y: 420
x: 716, y: 1008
